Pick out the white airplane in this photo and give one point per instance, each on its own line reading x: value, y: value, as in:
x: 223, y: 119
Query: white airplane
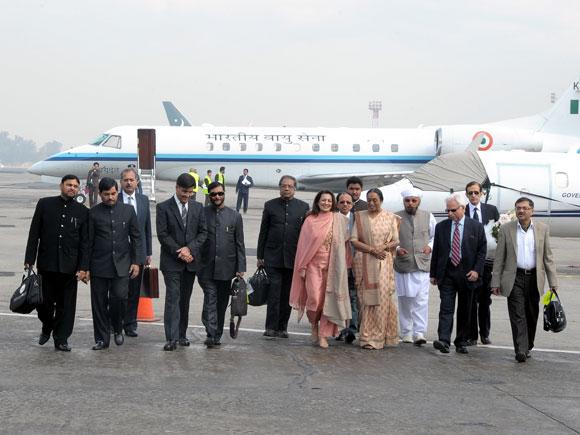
x: 318, y: 157
x: 551, y: 180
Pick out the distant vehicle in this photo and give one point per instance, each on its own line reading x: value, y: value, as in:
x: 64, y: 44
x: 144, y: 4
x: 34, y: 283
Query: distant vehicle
x: 318, y: 157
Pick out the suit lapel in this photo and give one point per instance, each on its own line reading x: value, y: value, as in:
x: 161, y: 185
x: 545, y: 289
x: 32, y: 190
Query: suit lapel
x: 177, y: 212
x: 513, y: 232
x: 538, y: 239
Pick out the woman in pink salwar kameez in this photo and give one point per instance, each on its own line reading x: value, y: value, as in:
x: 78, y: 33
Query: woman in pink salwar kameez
x: 320, y: 282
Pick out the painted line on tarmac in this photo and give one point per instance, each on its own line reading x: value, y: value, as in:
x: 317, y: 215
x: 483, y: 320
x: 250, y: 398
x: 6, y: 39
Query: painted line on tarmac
x: 484, y: 346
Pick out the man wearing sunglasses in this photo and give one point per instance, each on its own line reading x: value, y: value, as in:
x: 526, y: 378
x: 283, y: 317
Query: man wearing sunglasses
x: 181, y: 230
x: 480, y: 310
x: 457, y: 263
x: 223, y: 258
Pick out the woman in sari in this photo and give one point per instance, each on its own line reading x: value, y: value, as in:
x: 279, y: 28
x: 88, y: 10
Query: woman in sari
x: 375, y: 236
x: 320, y: 282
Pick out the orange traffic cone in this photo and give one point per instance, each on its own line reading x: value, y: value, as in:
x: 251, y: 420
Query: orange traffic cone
x: 145, y: 310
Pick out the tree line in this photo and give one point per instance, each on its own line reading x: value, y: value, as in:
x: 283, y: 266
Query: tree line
x: 17, y: 149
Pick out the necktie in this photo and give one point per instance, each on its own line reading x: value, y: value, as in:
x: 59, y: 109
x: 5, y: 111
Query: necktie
x: 132, y: 203
x: 475, y: 216
x: 456, y: 247
x: 184, y: 214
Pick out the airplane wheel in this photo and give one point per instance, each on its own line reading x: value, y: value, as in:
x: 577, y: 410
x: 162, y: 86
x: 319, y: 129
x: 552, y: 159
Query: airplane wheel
x: 80, y: 198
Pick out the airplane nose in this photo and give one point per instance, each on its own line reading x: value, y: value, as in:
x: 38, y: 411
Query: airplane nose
x: 37, y: 168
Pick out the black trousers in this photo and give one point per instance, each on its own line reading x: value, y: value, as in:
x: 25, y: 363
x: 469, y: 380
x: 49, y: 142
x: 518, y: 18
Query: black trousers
x: 454, y: 283
x: 242, y: 196
x: 57, y: 313
x: 108, y: 303
x: 279, y: 310
x: 93, y: 196
x: 480, y: 310
x: 216, y: 296
x: 130, y: 320
x: 178, y: 289
x: 523, y: 309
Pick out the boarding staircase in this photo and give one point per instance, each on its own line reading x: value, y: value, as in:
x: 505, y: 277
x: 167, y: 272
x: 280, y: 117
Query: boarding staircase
x: 147, y: 177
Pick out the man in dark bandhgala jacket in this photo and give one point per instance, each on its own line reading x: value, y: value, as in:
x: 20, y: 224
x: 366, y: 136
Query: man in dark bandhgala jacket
x: 181, y: 231
x: 115, y: 244
x: 58, y: 243
x: 282, y: 220
x: 223, y: 257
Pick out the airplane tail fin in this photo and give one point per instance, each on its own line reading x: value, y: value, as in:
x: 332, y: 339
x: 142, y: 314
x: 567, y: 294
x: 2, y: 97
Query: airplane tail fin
x: 174, y: 116
x: 564, y: 116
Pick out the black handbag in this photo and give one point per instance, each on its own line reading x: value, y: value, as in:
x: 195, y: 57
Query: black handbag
x: 554, y: 316
x: 150, y: 282
x: 260, y: 283
x: 238, y: 305
x: 28, y: 295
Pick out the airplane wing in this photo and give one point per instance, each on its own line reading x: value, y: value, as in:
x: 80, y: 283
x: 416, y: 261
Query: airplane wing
x: 337, y: 181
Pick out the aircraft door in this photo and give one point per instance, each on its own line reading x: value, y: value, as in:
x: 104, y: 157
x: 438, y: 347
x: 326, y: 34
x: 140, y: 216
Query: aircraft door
x: 535, y: 179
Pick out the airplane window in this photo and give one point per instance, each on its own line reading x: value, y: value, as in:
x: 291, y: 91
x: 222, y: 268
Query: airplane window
x: 210, y: 146
x: 99, y: 140
x: 334, y: 147
x: 356, y: 147
x: 113, y: 142
x: 315, y: 147
x: 394, y: 148
x: 376, y: 148
x: 561, y: 180
x: 278, y: 147
x: 259, y: 146
x: 226, y: 146
x: 243, y: 146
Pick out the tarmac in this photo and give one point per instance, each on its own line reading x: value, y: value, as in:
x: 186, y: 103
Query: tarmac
x: 258, y: 385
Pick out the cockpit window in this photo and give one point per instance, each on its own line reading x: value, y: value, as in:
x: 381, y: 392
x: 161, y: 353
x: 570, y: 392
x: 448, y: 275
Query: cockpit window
x: 99, y: 140
x: 113, y: 142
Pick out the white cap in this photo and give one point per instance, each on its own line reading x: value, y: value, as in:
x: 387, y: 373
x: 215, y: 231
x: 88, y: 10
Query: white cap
x: 412, y: 192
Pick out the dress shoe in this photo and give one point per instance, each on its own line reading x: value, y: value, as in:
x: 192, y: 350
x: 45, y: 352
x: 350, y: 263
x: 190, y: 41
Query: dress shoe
x: 43, y: 339
x: 520, y: 357
x: 63, y: 347
x: 184, y: 342
x: 407, y: 339
x: 485, y: 340
x: 131, y: 333
x: 270, y: 333
x: 441, y: 346
x: 419, y: 340
x: 282, y: 334
x: 349, y: 337
x: 119, y: 339
x: 209, y: 342
x: 100, y: 345
x: 461, y: 349
x: 471, y: 342
x: 170, y: 346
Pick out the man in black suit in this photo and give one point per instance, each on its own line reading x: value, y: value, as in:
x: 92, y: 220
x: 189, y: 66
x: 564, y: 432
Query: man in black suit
x: 115, y: 244
x: 354, y: 186
x: 483, y: 213
x: 245, y: 182
x: 59, y: 235
x: 281, y: 223
x: 457, y: 260
x: 181, y: 231
x: 140, y: 203
x: 223, y: 256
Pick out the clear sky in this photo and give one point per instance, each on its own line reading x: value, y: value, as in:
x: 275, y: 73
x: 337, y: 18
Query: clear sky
x: 73, y: 68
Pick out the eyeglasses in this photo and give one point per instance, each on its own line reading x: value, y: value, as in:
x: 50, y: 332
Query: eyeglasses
x: 473, y: 192
x: 344, y: 202
x: 523, y: 208
x: 452, y: 210
x: 214, y: 194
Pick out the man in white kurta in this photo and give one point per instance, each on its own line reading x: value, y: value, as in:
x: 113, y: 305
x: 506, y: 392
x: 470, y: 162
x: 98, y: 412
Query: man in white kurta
x: 412, y: 267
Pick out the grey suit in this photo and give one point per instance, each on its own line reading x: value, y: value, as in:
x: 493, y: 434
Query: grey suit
x: 223, y: 255
x: 144, y: 222
x: 178, y: 275
x: 523, y: 289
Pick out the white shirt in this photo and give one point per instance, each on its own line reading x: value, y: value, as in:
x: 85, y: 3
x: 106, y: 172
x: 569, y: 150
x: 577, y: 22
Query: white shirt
x: 526, y: 247
x: 180, y: 204
x: 130, y: 199
x: 478, y: 208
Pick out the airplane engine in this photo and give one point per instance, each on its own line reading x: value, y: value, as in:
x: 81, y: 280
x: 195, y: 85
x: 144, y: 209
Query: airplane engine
x: 454, y: 139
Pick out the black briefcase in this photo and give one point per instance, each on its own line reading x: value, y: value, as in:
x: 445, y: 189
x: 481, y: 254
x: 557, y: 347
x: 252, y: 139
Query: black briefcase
x: 150, y: 282
x: 28, y: 295
x: 260, y: 284
x: 238, y: 305
x: 554, y: 316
